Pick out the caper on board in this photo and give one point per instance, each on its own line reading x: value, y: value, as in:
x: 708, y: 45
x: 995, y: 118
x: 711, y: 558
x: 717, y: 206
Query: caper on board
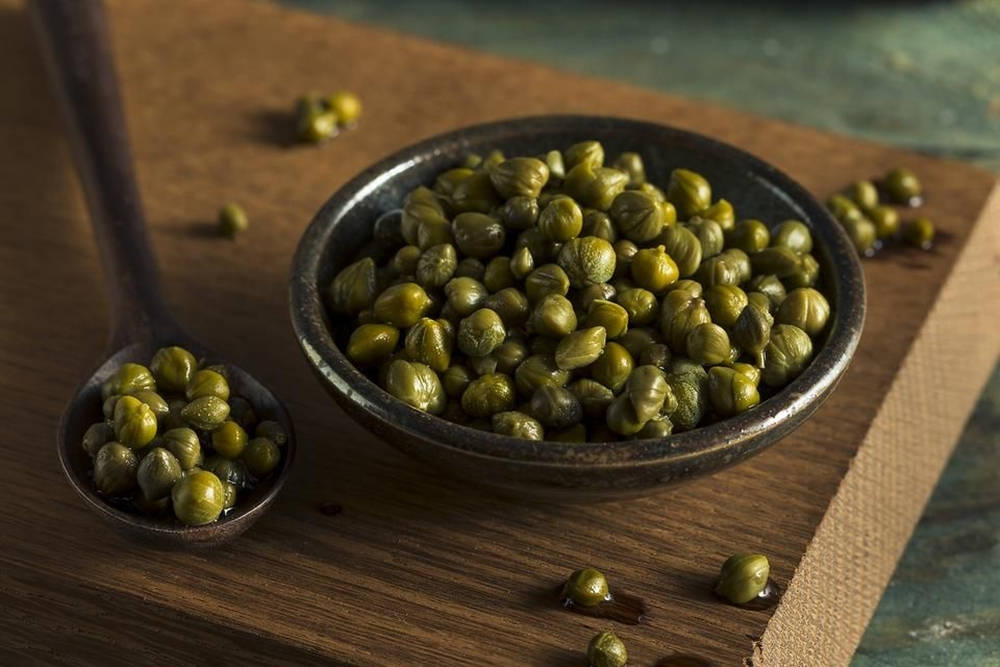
x: 564, y: 295
x: 177, y: 438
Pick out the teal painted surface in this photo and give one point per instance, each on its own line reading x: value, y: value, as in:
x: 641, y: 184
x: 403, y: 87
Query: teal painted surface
x: 922, y: 75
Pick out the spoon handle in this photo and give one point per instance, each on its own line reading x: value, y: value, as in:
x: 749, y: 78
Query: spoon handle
x: 76, y: 45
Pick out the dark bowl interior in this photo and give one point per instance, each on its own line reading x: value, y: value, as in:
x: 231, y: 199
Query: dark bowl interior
x: 167, y: 532
x: 573, y: 471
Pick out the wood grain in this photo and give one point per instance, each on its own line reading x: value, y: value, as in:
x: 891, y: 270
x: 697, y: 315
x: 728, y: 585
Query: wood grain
x: 419, y: 569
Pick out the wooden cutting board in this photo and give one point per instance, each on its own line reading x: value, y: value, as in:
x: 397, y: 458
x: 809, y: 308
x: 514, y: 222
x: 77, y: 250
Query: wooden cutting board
x: 417, y: 569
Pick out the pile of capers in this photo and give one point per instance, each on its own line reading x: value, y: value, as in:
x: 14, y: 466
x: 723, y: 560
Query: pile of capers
x: 318, y: 118
x: 558, y: 298
x: 865, y: 212
x: 174, y: 440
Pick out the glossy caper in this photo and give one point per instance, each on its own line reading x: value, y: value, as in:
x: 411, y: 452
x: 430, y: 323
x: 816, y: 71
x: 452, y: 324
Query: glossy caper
x: 520, y: 213
x: 172, y: 368
x: 647, y: 390
x: 127, y: 379
x: 436, y: 266
x: 561, y: 220
x: 718, y: 270
x: 157, y: 473
x: 710, y: 234
x: 585, y: 152
x: 370, y: 343
x: 474, y: 194
x: 184, y: 444
x: 692, y: 287
x: 806, y: 308
x: 740, y: 261
x: 725, y: 303
x: 731, y: 392
x: 749, y: 235
x: 156, y: 403
x: 689, y: 385
x: 805, y: 275
x: 555, y: 407
x: 683, y: 247
x: 420, y: 206
x: 517, y: 425
x: 862, y: 233
x: 470, y: 267
x: 794, y: 235
x: 902, y: 186
x: 415, y: 384
x: 708, y: 344
x: 553, y: 316
x: 134, y: 422
x: 402, y: 305
x: 653, y: 269
x: 447, y: 181
x: 655, y: 354
x: 587, y: 260
x: 593, y: 396
x: 779, y: 261
x: 743, y: 577
x: 586, y: 587
x: 345, y: 105
x: 722, y: 213
x: 229, y: 440
x: 639, y: 303
x: 478, y: 235
x: 689, y: 192
x: 115, y: 467
x: 489, y: 394
x: 606, y: 650
x: 863, y: 193
x: 843, y: 208
x: 770, y: 286
x: 613, y: 367
x: 96, y: 436
x: 261, y: 456
x: 519, y: 177
x: 597, y: 223
x: 631, y: 163
x: 198, y: 498
x: 640, y: 217
x: 354, y: 288
x: 886, y: 221
x: 429, y: 342
x: 752, y: 331
x: 205, y: 413
x: 273, y: 431
x: 207, y: 382
x: 596, y: 292
x: 680, y: 313
x: 580, y: 348
x: 538, y: 370
x: 788, y: 351
x: 919, y: 232
x: 608, y: 315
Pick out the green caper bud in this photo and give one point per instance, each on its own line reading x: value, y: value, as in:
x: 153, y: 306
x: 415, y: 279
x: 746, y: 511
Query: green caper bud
x: 474, y: 194
x: 156, y: 403
x: 753, y: 330
x: 273, y: 431
x: 346, y: 105
x: 631, y: 164
x: 710, y: 235
x: 205, y: 413
x: 354, y: 287
x: 554, y: 160
x: 478, y: 235
x: 134, y: 422
x: 315, y: 125
x: 172, y: 368
x: 402, y: 305
x: 748, y: 235
x: 863, y: 193
x: 553, y: 316
x: 608, y: 315
x: 653, y: 191
x: 741, y: 261
x: 584, y: 152
x: 127, y: 379
x: 760, y: 301
x: 689, y: 384
x: 561, y: 220
x: 538, y: 370
x: 606, y: 650
x: 806, y: 275
x: 465, y: 295
x: 115, y: 466
x: 492, y: 159
x: 510, y: 355
x: 371, y: 343
x: 597, y: 292
x: 794, y: 235
x: 405, y: 261
x: 580, y: 348
x: 184, y: 444
x: 806, y: 308
x: 498, y: 275
x: 230, y: 471
x: 511, y: 305
x: 725, y: 303
x: 519, y: 213
x: 429, y: 342
x: 613, y: 367
x: 447, y: 181
x: 788, y: 352
x: 555, y: 407
x: 415, y: 384
x: 636, y: 339
x: 517, y: 425
x: 198, y: 498
x: 624, y: 252
x: 639, y: 303
x: 730, y: 392
x: 621, y: 417
x: 658, y: 427
x: 480, y: 333
x: 722, y: 213
x: 595, y: 187
x: 919, y: 232
x: 718, y: 270
x: 587, y: 587
x: 689, y: 192
x: 708, y: 344
x: 653, y: 269
x: 862, y: 233
x: 455, y: 379
x: 232, y: 220
x: 470, y: 267
x: 437, y: 265
x: 692, y: 287
x: 229, y: 440
x: 749, y: 370
x: 521, y: 263
x: 519, y: 177
x: 597, y: 223
x: 683, y: 247
x: 97, y: 436
x: 680, y: 313
x: 231, y: 492
x: 770, y: 286
x: 489, y: 394
x: 743, y: 577
x: 593, y: 396
x: 207, y: 383
x: 261, y: 456
x: 647, y: 390
x: 655, y: 354
x: 586, y: 260
x: 157, y: 473
x: 902, y: 186
x: 640, y: 218
x: 776, y: 260
x: 843, y: 209
x: 420, y: 206
x: 886, y: 221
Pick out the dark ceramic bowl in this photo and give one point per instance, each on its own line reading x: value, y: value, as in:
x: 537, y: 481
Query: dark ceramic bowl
x: 573, y: 471
x: 167, y: 532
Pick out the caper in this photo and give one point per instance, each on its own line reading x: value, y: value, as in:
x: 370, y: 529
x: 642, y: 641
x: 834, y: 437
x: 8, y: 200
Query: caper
x: 786, y: 355
x: 273, y: 431
x: 586, y: 587
x: 519, y: 176
x: 613, y: 367
x: 489, y: 394
x: 207, y: 383
x: 779, y: 261
x: 429, y: 342
x: 402, y: 305
x: 585, y: 152
x: 587, y: 260
x: 205, y: 413
x: 794, y: 235
x: 647, y: 390
x: 517, y: 425
x: 863, y: 193
x: 631, y: 163
x: 184, y: 444
x: 591, y: 293
x: 478, y: 235
x: 553, y: 316
x: 134, y: 422
x: 597, y: 223
x: 96, y: 436
x: 198, y: 498
x: 354, y: 287
x: 561, y: 220
x: 919, y: 232
x: 608, y: 315
x: 680, y: 313
x: 655, y: 354
x: 689, y: 192
x: 806, y: 275
x: 606, y: 650
x: 862, y: 233
x: 731, y: 392
x: 172, y: 368
x: 370, y: 343
x: 415, y: 384
x: 157, y: 473
x: 749, y: 235
x: 520, y: 213
x: 436, y: 266
x: 770, y: 286
x: 261, y: 456
x: 721, y: 212
x: 510, y: 304
x: 683, y: 247
x: 886, y: 221
x: 636, y: 339
x: 580, y: 348
x: 752, y: 331
x: 405, y: 261
x: 639, y: 303
x: 555, y: 407
x: 902, y: 186
x: 470, y: 267
x: 658, y: 427
x: 155, y: 402
x: 689, y: 384
x: 593, y: 396
x: 806, y: 308
x: 455, y: 379
x: 743, y: 577
x: 229, y: 440
x: 115, y: 467
x: 710, y: 235
x: 474, y: 194
x: 708, y: 344
x: 653, y: 269
x: 538, y: 370
x: 127, y: 379
x: 725, y: 303
x: 843, y: 209
x: 640, y: 218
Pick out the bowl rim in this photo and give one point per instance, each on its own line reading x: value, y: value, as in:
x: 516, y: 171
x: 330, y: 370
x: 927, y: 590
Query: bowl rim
x: 733, y: 436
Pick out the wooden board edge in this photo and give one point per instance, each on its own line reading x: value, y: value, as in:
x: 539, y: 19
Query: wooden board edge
x: 847, y: 565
